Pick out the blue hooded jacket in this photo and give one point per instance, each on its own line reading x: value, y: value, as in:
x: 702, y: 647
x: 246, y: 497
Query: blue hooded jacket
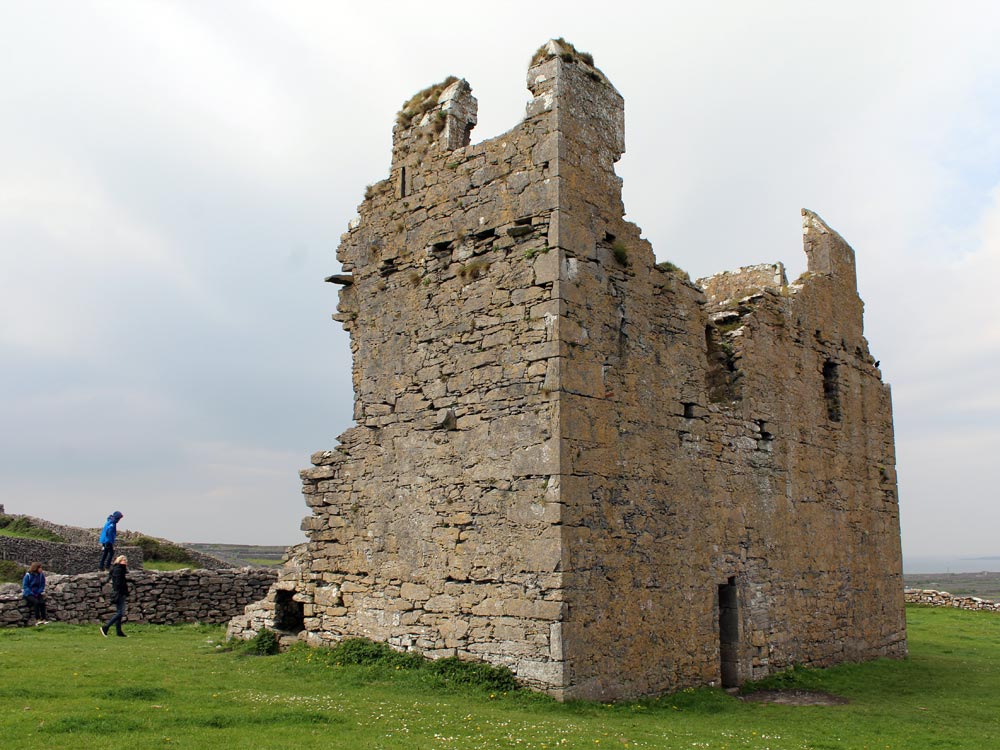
x: 110, y: 531
x: 33, y: 584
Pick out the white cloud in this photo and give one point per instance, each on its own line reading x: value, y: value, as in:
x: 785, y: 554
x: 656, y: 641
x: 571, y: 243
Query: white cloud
x: 65, y: 246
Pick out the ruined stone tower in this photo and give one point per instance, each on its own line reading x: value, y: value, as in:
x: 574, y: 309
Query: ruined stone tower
x: 575, y: 462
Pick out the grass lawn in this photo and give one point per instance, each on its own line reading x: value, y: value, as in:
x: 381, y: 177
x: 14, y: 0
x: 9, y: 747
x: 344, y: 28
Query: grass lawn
x: 64, y: 686
x: 164, y: 565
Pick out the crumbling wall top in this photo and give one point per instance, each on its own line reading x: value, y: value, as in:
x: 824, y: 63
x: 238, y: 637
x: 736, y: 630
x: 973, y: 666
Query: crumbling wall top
x: 443, y: 115
x: 730, y: 285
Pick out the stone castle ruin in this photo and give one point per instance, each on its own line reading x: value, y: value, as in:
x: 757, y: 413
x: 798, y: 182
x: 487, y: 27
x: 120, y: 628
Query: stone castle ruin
x: 574, y: 461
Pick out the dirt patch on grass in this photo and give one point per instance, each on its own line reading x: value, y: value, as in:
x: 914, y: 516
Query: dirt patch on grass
x: 795, y: 698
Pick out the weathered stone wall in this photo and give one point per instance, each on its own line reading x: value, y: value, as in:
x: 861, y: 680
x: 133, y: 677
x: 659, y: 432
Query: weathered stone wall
x: 754, y: 481
x: 575, y: 462
x: 70, y: 534
x: 435, y: 520
x: 67, y: 559
x: 163, y: 598
x: 934, y: 598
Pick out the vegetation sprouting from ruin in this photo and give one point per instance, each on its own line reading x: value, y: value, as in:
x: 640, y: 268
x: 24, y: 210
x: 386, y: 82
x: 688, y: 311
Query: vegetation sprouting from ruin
x: 620, y: 251
x: 422, y: 102
x: 569, y: 54
x: 673, y: 268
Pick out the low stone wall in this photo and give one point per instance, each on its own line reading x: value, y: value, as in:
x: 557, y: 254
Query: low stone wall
x: 70, y: 534
x: 70, y: 562
x: 66, y: 559
x: 162, y: 598
x: 944, y: 599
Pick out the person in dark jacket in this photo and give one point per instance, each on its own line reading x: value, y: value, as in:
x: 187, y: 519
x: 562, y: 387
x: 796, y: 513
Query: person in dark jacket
x: 119, y: 595
x: 33, y: 587
x: 108, y: 535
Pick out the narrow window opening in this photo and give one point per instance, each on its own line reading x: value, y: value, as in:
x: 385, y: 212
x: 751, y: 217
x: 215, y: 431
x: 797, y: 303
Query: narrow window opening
x: 402, y: 182
x: 689, y: 410
x: 729, y: 634
x: 289, y: 614
x: 831, y: 390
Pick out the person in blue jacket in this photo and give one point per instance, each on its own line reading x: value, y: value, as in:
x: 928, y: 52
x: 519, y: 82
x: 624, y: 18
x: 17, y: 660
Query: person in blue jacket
x: 33, y: 587
x: 108, y: 535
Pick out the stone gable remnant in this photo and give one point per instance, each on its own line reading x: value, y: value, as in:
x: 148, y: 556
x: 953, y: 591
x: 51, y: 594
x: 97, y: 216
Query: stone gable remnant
x: 575, y: 462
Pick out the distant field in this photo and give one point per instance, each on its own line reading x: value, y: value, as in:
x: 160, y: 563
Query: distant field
x: 243, y: 554
x: 64, y: 686
x: 983, y: 585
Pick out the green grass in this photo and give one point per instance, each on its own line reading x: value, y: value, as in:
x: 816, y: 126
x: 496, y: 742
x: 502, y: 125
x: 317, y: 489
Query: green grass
x: 11, y: 572
x: 64, y: 686
x: 244, y: 554
x: 154, y: 550
x: 165, y: 565
x: 22, y: 527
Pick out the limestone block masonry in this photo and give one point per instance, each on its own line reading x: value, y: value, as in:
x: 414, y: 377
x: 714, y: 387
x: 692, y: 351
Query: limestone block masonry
x: 575, y: 462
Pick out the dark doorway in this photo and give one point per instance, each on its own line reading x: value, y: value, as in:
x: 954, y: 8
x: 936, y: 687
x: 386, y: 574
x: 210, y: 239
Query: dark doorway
x: 729, y: 633
x: 288, y: 613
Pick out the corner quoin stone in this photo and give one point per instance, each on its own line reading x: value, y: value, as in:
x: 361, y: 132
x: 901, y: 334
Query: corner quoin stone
x: 576, y: 462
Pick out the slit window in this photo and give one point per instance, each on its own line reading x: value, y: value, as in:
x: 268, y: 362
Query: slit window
x: 831, y: 390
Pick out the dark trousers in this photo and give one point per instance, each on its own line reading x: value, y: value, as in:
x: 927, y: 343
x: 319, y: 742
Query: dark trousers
x: 37, y: 606
x: 107, y: 556
x: 119, y: 615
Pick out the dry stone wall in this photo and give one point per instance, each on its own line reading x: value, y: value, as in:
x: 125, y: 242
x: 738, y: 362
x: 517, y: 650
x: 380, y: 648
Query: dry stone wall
x: 67, y: 559
x: 934, y: 598
x: 163, y: 598
x: 578, y: 463
x: 80, y: 552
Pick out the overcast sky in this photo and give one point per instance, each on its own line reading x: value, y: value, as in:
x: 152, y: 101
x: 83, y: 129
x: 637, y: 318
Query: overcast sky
x: 175, y: 176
